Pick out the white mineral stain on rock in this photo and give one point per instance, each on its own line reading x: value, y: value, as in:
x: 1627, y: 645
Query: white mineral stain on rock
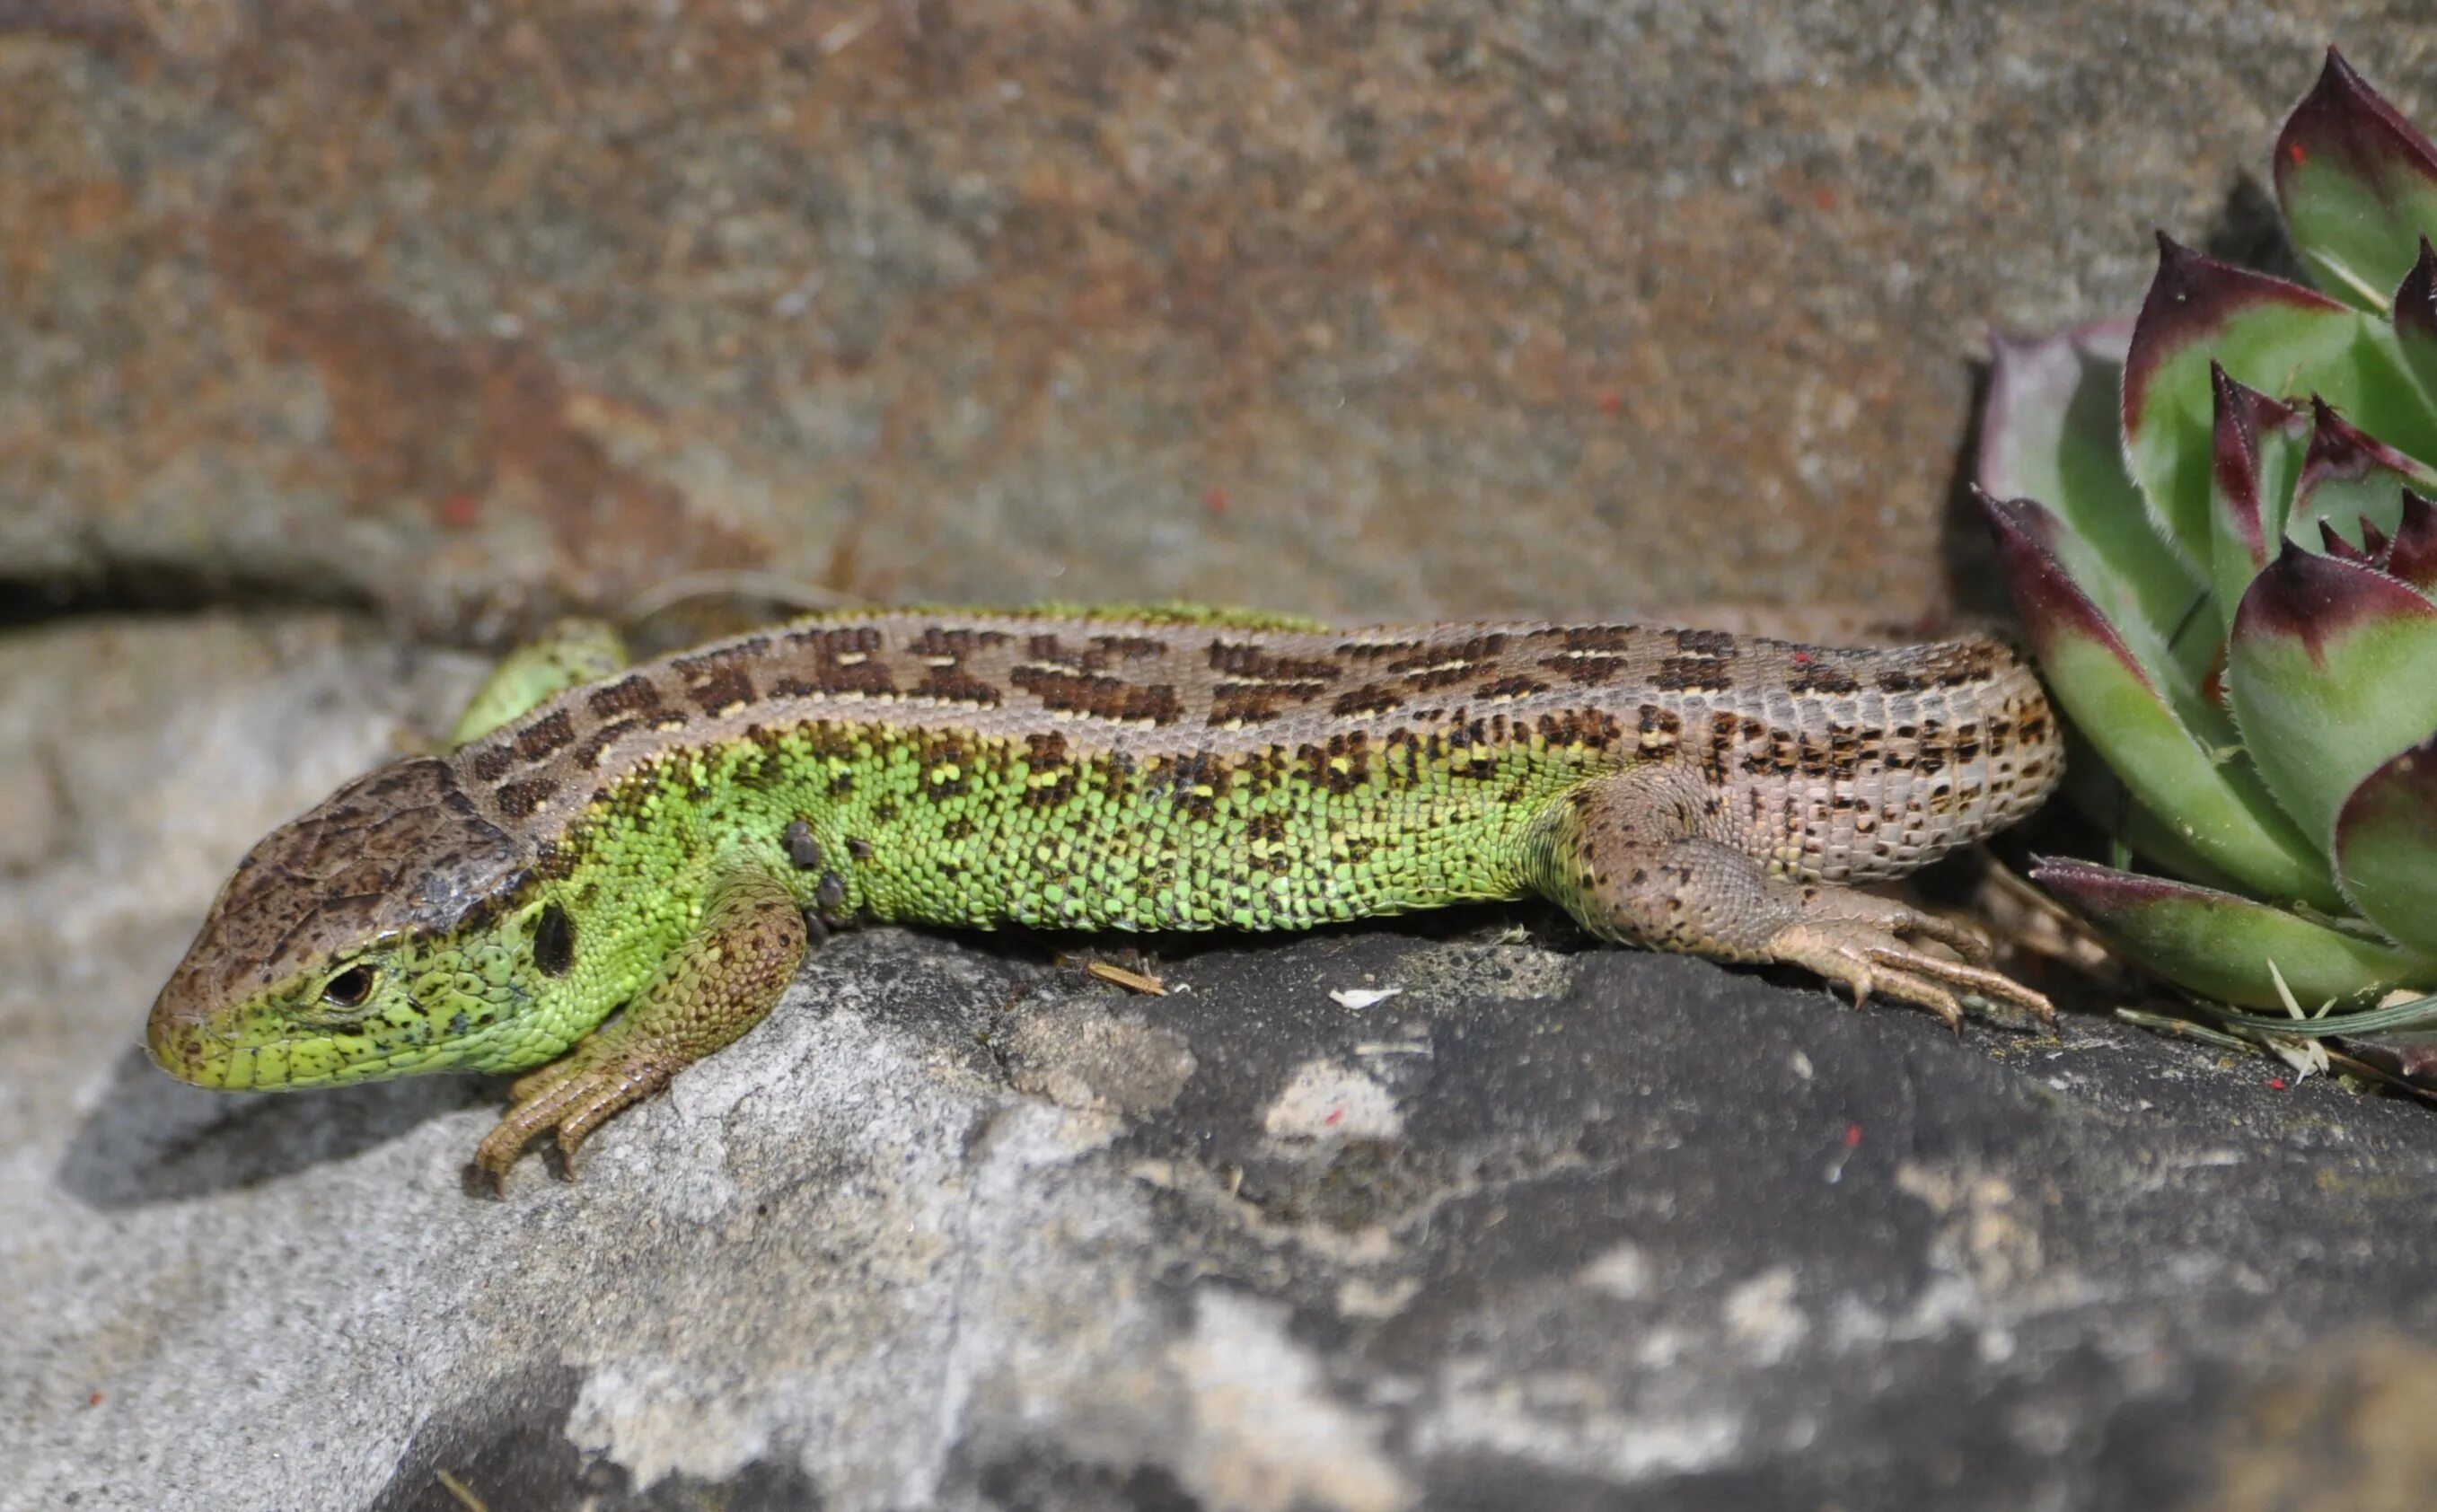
x: 1623, y: 1272
x: 1328, y: 1099
x: 1574, y: 1421
x: 1266, y: 1434
x: 1761, y: 1313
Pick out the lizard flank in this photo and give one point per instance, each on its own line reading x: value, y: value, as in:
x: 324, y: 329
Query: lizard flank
x: 618, y: 871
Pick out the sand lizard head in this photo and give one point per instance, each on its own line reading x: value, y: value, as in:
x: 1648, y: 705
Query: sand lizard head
x: 390, y: 929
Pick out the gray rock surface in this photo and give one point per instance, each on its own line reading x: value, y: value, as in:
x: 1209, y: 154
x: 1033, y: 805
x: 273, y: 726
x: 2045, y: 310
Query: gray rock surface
x: 454, y: 313
x: 1414, y: 309
x: 960, y: 1226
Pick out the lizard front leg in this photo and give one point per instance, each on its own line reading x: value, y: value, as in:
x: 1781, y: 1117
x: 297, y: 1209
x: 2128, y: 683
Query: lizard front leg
x: 1629, y: 856
x: 719, y: 982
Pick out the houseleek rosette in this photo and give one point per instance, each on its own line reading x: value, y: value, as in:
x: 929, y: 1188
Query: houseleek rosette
x: 2216, y: 520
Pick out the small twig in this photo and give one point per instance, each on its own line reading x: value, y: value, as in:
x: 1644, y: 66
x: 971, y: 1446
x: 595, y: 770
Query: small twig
x: 1134, y: 980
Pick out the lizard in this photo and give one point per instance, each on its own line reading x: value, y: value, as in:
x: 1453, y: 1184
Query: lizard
x: 614, y: 870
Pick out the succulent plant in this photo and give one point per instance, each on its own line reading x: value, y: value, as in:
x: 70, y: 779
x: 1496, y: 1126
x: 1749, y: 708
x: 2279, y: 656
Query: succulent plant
x: 2216, y: 520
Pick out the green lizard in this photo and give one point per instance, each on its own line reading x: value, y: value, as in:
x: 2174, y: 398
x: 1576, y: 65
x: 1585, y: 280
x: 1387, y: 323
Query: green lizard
x: 616, y: 871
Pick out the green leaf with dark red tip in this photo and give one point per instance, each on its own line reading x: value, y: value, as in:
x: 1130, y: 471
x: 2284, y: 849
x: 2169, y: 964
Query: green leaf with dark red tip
x: 2332, y: 669
x: 2048, y: 432
x: 2217, y: 806
x: 2412, y: 551
x: 2357, y: 184
x: 2272, y: 336
x: 2336, y: 546
x: 2414, y: 320
x: 2257, y: 447
x: 2386, y: 847
x: 2347, y: 477
x: 2219, y: 945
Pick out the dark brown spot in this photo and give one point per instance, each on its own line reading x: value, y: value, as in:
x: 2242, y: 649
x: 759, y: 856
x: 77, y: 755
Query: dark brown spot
x: 1585, y: 667
x: 1694, y: 675
x: 1520, y: 686
x: 1820, y: 672
x: 1371, y: 699
x: 1252, y: 707
x: 629, y: 695
x: 959, y: 643
x: 492, y: 763
x: 517, y: 799
x: 954, y: 684
x: 546, y: 736
x: 1101, y: 698
x: 1247, y: 659
x: 601, y: 739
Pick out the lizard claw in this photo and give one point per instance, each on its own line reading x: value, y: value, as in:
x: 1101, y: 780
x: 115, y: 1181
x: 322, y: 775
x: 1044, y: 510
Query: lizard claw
x: 1869, y: 956
x: 569, y: 1098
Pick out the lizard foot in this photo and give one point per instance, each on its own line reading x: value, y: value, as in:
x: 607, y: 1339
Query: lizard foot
x: 572, y: 1098
x: 1872, y: 956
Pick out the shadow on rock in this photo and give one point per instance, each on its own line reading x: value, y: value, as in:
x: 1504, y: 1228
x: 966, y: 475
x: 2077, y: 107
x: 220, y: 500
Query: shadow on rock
x: 154, y: 1140
x: 506, y: 1446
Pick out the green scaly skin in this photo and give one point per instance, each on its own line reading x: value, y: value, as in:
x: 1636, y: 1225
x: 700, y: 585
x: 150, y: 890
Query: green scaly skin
x: 670, y: 841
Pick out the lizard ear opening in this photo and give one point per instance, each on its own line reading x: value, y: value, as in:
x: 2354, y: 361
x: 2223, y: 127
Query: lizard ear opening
x: 553, y: 945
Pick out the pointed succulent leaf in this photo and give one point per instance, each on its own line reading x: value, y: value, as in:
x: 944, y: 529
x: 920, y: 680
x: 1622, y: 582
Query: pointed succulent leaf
x: 2047, y: 428
x: 2386, y: 847
x: 2357, y: 184
x: 2414, y: 318
x: 2048, y: 432
x: 2332, y: 669
x: 2411, y: 555
x: 2336, y: 546
x: 2219, y: 945
x: 2348, y: 477
x: 2256, y: 447
x: 2219, y: 807
x: 2270, y: 335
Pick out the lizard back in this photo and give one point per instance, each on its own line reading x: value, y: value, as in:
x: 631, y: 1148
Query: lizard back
x: 1142, y: 772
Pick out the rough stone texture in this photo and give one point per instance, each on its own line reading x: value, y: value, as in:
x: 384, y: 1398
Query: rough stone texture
x: 460, y: 310
x: 1346, y: 307
x: 1556, y: 1226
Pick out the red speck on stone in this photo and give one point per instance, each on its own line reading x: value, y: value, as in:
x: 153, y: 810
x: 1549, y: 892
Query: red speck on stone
x: 94, y: 1401
x: 1214, y: 500
x: 1334, y: 1115
x: 2299, y: 153
x: 1824, y: 198
x: 1852, y: 1135
x: 458, y: 510
x: 1611, y: 402
x: 2275, y: 1084
x: 1802, y: 659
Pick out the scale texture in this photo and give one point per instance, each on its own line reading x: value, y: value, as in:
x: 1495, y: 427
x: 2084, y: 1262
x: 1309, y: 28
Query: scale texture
x: 1144, y: 770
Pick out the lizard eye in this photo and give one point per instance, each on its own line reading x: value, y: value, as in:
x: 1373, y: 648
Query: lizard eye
x: 349, y: 988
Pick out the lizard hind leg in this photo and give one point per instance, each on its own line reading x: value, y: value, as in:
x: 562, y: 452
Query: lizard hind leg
x: 1633, y: 858
x: 723, y: 979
